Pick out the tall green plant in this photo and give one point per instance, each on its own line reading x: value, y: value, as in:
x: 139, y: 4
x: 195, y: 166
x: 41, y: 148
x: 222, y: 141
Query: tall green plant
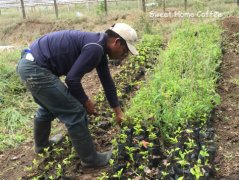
x: 182, y: 88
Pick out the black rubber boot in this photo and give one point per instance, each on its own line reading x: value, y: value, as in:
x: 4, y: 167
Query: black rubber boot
x: 82, y: 142
x: 42, y: 130
x: 101, y: 160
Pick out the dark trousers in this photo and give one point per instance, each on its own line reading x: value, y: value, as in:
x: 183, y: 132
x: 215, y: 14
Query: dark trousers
x: 51, y: 95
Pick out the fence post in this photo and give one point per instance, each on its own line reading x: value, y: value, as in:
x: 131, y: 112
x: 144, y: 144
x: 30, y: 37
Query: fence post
x: 105, y: 7
x: 23, y: 10
x: 143, y: 4
x: 186, y: 5
x: 139, y: 4
x: 164, y: 5
x: 56, y: 8
x: 87, y: 4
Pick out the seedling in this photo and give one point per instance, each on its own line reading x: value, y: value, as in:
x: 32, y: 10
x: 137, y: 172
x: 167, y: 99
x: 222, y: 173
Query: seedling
x: 115, y: 147
x: 141, y: 167
x: 58, y: 170
x: 114, y: 142
x: 138, y: 129
x: 35, y: 163
x: 130, y: 152
x: 164, y: 174
x: 103, y: 176
x: 190, y: 143
x: 144, y: 154
x: 66, y: 141
x: 118, y: 174
x: 66, y: 161
x: 28, y: 168
x: 58, y: 151
x: 189, y: 131
x: 181, y: 178
x: 111, y: 162
x: 115, y: 152
x: 123, y: 138
x: 49, y: 165
x: 173, y: 140
x: 204, y: 152
x: 178, y: 131
x: 196, y: 171
x: 182, y: 161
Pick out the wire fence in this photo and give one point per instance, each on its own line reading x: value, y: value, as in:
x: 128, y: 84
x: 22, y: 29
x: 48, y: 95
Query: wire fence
x: 23, y: 4
x: 32, y: 4
x: 143, y: 5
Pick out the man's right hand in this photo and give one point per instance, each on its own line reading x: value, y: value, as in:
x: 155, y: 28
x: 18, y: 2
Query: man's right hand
x: 90, y: 107
x: 119, y: 115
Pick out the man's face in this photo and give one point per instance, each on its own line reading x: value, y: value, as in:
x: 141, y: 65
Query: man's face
x: 118, y: 50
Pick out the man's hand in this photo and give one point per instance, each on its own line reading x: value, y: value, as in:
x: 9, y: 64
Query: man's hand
x: 90, y: 107
x: 119, y: 115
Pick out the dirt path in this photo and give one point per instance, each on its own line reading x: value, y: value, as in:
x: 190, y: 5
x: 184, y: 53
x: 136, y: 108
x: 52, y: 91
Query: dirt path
x: 226, y: 121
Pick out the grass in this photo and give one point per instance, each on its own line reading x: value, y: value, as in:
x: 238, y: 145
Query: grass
x: 16, y: 104
x: 17, y: 107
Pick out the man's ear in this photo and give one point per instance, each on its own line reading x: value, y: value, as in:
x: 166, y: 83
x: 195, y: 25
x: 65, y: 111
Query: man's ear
x: 117, y: 40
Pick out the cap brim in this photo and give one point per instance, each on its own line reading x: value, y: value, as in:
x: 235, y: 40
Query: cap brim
x: 132, y: 49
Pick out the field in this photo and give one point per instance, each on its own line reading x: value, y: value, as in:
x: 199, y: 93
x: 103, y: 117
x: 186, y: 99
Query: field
x: 180, y: 94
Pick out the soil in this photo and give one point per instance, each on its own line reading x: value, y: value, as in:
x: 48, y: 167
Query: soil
x: 226, y: 122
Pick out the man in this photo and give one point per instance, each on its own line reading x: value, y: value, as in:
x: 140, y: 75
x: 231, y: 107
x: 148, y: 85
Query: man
x: 73, y: 54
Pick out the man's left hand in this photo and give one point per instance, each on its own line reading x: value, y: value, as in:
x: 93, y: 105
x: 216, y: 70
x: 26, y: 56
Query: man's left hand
x: 90, y: 107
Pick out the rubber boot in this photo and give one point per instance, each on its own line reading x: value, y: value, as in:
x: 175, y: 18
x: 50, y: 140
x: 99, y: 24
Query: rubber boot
x: 42, y: 130
x: 101, y: 160
x: 83, y: 144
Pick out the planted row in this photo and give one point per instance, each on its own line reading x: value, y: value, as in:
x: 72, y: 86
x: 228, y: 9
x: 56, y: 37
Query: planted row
x: 182, y: 88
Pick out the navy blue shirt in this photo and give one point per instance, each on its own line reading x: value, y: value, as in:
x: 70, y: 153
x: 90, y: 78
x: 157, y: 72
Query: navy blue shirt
x: 74, y: 53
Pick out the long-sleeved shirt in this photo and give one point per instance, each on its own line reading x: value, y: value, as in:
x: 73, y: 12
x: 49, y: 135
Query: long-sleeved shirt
x: 74, y: 53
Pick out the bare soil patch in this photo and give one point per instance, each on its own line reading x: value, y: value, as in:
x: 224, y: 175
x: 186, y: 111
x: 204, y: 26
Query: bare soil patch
x: 226, y: 121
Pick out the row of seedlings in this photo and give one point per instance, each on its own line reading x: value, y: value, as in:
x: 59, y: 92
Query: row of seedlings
x: 169, y: 137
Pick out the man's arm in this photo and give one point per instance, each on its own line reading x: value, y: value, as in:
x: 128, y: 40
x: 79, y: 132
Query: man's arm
x: 109, y: 88
x: 88, y: 60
